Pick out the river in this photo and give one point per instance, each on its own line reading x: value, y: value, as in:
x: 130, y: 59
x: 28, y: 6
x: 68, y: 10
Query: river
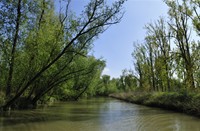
x: 97, y: 114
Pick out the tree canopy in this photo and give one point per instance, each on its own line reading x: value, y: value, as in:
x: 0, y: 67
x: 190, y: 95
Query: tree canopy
x: 43, y: 52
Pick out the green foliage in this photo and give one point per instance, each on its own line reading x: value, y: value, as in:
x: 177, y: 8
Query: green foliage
x: 105, y: 86
x: 184, y: 102
x: 2, y: 98
x: 127, y: 82
x: 158, y: 66
x: 168, y: 77
x: 44, y: 54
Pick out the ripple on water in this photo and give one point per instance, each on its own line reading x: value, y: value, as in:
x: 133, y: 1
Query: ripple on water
x: 98, y: 115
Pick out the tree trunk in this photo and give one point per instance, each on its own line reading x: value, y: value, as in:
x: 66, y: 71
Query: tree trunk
x: 167, y: 75
x: 189, y: 77
x: 77, y: 97
x: 11, y: 64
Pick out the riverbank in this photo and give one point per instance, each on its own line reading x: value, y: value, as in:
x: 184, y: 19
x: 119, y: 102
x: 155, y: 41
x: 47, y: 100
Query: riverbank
x: 97, y: 114
x: 182, y: 102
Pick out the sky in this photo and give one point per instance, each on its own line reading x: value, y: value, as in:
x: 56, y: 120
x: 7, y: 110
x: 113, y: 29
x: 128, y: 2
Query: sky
x: 115, y: 45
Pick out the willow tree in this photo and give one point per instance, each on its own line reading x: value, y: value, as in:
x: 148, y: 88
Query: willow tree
x: 161, y: 35
x: 142, y: 67
x: 179, y: 24
x: 49, y: 47
x: 128, y: 80
x: 195, y: 17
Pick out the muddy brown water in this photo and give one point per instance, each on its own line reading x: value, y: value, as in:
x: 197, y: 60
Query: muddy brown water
x: 98, y: 114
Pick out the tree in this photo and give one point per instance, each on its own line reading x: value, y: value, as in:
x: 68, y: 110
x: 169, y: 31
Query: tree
x: 160, y: 34
x: 80, y: 83
x: 52, y: 44
x: 127, y: 80
x: 142, y: 66
x: 181, y: 32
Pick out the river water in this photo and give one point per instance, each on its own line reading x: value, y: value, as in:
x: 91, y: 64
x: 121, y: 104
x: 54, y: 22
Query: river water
x: 97, y: 114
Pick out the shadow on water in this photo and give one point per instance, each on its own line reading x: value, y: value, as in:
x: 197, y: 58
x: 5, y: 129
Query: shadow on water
x: 69, y: 111
x: 98, y: 114
x: 17, y: 118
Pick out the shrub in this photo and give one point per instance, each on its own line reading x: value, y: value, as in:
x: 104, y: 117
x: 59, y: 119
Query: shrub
x: 179, y: 101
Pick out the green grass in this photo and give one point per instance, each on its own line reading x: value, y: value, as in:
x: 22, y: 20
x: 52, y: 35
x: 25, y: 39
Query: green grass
x: 177, y: 101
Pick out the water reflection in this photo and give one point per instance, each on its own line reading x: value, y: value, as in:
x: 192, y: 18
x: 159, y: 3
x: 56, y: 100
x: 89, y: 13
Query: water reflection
x: 98, y: 114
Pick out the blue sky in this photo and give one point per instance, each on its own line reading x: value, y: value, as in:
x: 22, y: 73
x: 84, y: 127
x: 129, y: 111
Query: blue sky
x: 116, y: 44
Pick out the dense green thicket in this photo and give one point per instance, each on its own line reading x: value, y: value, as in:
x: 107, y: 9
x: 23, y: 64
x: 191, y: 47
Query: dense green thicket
x: 44, y: 54
x: 125, y: 83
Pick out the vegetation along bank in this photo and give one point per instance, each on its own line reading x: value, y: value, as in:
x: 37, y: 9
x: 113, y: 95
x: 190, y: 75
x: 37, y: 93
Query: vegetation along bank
x: 182, y: 102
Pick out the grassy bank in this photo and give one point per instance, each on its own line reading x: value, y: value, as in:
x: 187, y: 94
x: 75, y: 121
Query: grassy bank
x: 182, y: 102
